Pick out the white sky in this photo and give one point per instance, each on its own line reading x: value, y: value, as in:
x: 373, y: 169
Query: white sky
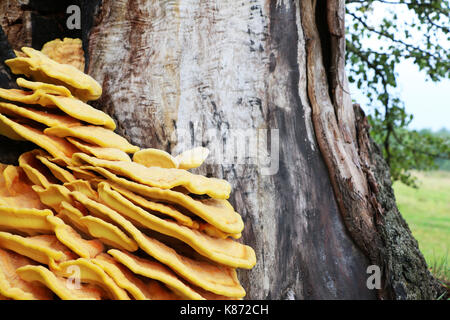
x: 427, y: 101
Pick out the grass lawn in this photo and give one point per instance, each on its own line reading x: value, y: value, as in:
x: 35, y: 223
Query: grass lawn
x: 427, y: 212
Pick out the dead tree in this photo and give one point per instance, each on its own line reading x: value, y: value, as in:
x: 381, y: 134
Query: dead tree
x: 174, y: 71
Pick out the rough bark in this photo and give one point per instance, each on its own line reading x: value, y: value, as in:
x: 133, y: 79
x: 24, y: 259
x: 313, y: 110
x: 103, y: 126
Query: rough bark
x: 371, y: 221
x: 405, y: 269
x: 173, y: 70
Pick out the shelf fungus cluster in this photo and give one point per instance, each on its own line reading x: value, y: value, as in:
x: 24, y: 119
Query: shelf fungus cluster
x: 88, y: 215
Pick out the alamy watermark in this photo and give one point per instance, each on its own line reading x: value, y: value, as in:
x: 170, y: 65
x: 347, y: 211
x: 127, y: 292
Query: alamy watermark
x: 73, y: 281
x: 74, y: 19
x: 374, y: 280
x: 259, y: 148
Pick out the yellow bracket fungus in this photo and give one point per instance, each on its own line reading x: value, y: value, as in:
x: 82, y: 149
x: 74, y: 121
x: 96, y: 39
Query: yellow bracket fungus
x: 83, y: 187
x: 160, y: 208
x: 41, y: 68
x: 71, y: 216
x: 223, y: 251
x: 66, y: 51
x: 155, y: 158
x: 93, y: 274
x: 212, y: 231
x: 81, y: 173
x: 82, y: 111
x: 217, y: 212
x: 158, y: 291
x: 7, y: 131
x: 96, y: 227
x: 96, y: 135
x: 12, y: 286
x: 57, y: 147
x: 192, y: 158
x: 189, y: 159
x: 47, y: 118
x: 72, y: 240
x: 37, y: 97
x: 104, y: 200
x: 100, y: 152
x: 129, y: 282
x: 214, y: 278
x: 45, y: 249
x: 62, y: 287
x: 218, y: 279
x: 53, y: 195
x: 74, y: 108
x: 108, y: 233
x: 157, y: 271
x: 35, y: 170
x: 23, y: 218
x: 160, y: 177
x: 60, y: 173
x: 16, y: 189
x: 44, y: 87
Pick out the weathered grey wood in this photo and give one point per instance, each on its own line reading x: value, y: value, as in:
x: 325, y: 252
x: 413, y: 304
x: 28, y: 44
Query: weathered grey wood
x: 172, y: 71
x: 197, y: 65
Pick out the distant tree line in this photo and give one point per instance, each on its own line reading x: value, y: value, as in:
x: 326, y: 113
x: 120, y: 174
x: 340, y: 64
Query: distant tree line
x: 441, y: 162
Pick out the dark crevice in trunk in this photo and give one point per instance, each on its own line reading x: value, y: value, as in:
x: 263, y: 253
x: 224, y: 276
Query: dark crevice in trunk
x: 9, y: 150
x: 6, y: 52
x: 48, y: 21
x: 89, y: 13
x: 325, y: 39
x: 327, y: 233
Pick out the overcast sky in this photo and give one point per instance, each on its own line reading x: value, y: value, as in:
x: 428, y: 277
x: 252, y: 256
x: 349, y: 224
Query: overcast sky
x: 427, y: 101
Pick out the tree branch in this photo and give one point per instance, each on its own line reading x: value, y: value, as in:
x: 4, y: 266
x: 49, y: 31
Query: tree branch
x: 409, y: 4
x: 391, y: 37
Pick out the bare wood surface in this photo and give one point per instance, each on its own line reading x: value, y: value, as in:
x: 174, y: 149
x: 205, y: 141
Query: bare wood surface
x: 197, y: 65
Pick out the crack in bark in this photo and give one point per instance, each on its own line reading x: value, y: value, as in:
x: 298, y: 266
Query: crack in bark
x: 352, y: 173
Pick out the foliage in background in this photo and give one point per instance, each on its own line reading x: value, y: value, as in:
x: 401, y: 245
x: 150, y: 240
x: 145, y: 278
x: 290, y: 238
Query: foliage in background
x: 442, y: 163
x: 411, y: 29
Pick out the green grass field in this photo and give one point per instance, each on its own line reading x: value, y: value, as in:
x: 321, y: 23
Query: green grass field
x: 427, y: 212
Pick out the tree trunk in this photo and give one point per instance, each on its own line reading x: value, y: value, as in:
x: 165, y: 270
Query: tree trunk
x: 262, y: 84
